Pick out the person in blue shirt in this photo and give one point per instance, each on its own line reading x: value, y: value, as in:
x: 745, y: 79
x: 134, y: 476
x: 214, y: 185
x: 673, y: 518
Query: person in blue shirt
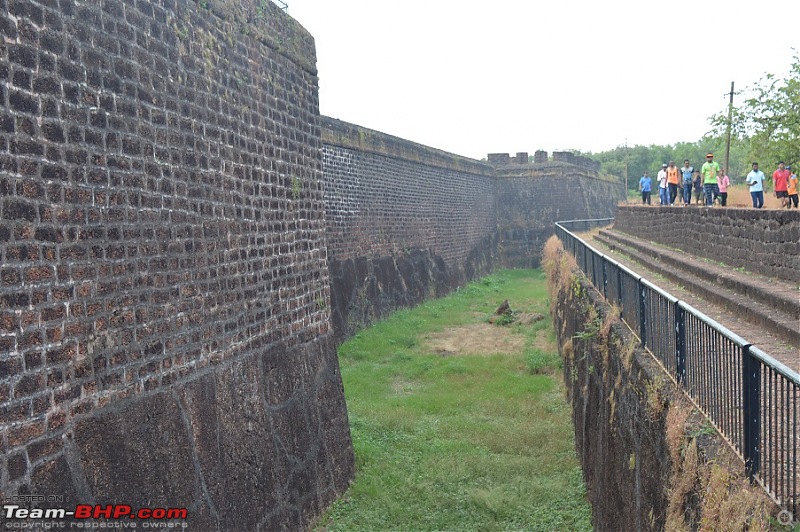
x: 687, y: 172
x: 644, y: 187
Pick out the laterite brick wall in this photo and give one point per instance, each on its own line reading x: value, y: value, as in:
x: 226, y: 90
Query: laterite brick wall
x: 165, y: 333
x: 183, y: 240
x: 405, y: 222
x: 765, y: 241
x: 531, y: 198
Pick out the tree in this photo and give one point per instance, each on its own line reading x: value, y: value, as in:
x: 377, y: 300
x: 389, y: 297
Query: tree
x: 768, y: 121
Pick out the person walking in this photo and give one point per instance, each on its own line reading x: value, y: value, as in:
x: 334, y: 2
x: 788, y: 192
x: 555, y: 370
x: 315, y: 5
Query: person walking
x: 780, y: 179
x: 723, y: 182
x: 791, y: 188
x: 662, y: 185
x: 686, y: 172
x: 697, y: 183
x: 755, y: 180
x: 645, y: 184
x: 673, y: 181
x: 709, y: 171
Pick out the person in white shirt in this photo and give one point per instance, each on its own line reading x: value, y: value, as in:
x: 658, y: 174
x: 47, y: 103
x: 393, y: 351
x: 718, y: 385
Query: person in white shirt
x: 663, y: 196
x: 755, y: 180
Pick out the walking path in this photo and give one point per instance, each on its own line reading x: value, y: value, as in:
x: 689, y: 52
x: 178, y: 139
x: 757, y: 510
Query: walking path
x: 763, y: 311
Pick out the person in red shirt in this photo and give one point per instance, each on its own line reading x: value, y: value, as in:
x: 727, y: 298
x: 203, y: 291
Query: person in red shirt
x: 780, y: 178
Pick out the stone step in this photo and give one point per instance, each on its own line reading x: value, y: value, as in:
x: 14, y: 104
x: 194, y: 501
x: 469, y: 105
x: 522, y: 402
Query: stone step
x: 747, y: 300
x: 745, y: 284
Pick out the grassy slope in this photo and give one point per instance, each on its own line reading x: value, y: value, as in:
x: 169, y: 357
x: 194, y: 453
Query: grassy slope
x: 468, y: 442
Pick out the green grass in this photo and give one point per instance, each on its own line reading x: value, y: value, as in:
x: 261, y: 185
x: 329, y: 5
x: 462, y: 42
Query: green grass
x: 479, y: 442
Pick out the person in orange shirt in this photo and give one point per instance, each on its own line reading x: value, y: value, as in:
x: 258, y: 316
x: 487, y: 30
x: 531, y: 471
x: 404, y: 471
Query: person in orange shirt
x: 673, y: 180
x: 791, y: 188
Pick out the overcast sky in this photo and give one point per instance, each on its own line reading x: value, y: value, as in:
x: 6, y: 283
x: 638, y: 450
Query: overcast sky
x: 474, y: 77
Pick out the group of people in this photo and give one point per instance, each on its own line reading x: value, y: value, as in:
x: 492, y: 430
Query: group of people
x: 710, y: 183
x: 784, y: 180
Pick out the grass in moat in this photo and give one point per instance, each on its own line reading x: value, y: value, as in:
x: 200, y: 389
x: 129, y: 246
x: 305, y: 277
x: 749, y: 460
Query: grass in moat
x: 458, y: 424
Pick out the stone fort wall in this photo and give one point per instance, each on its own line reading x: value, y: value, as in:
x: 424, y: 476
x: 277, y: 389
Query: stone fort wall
x: 405, y: 222
x: 532, y: 197
x: 183, y: 240
x: 165, y: 335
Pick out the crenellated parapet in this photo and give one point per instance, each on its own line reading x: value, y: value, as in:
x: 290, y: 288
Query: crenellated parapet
x: 541, y: 157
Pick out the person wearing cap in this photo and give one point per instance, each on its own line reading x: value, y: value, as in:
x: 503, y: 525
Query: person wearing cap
x: 673, y: 180
x: 791, y: 188
x: 755, y: 180
x: 663, y: 196
x: 687, y: 170
x: 780, y: 179
x: 709, y: 171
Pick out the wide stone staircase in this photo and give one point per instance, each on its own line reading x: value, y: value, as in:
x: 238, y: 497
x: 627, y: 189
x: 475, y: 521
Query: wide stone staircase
x: 763, y: 311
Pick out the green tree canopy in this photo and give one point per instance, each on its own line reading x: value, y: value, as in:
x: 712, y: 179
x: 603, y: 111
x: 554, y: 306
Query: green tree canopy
x: 767, y: 123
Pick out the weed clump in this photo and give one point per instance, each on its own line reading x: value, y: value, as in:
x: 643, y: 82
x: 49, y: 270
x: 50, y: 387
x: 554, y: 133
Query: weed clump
x: 708, y: 495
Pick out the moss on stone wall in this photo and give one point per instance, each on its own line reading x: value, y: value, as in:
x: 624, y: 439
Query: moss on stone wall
x: 266, y: 22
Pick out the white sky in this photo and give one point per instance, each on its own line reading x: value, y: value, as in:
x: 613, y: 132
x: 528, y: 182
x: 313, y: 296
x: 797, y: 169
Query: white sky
x: 474, y: 77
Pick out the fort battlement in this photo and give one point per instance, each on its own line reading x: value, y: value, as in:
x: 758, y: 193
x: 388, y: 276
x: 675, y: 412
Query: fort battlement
x: 502, y: 160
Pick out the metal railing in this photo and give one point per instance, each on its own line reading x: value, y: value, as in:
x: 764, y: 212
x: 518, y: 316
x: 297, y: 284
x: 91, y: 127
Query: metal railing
x: 751, y: 398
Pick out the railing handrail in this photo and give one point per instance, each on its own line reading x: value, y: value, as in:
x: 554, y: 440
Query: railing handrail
x: 777, y: 365
x: 745, y: 393
x: 583, y: 221
x: 788, y: 372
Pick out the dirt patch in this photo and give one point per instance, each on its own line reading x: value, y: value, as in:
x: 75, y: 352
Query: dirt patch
x: 545, y: 341
x: 528, y: 318
x: 478, y: 339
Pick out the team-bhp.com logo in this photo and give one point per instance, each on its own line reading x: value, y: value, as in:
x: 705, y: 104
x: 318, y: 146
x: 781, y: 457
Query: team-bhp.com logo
x: 123, y: 515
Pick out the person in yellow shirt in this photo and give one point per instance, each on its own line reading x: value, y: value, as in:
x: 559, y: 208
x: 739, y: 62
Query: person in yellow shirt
x: 792, y: 189
x: 673, y: 181
x: 709, y: 171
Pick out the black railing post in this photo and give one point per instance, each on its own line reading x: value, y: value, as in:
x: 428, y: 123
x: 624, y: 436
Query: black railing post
x: 585, y: 259
x: 752, y: 415
x: 642, y: 313
x: 605, y: 279
x: 680, y: 344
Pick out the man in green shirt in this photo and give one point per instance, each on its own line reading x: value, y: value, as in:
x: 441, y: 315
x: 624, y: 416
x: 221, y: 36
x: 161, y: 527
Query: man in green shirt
x: 709, y: 172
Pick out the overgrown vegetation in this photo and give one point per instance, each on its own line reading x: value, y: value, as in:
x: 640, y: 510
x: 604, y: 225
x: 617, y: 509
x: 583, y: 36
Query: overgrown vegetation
x: 706, y: 494
x: 474, y: 441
